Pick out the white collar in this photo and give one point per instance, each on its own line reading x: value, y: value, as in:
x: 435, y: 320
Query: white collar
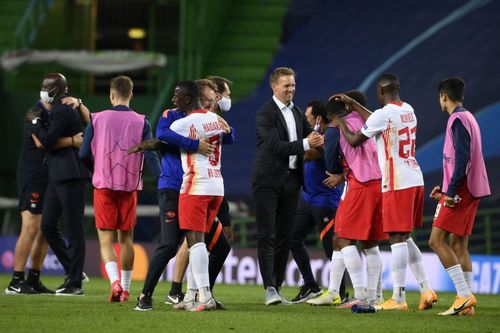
x: 281, y: 105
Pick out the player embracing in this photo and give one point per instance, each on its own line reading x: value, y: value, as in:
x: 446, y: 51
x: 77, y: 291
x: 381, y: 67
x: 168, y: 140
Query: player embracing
x: 464, y: 181
x: 394, y: 127
x: 201, y: 192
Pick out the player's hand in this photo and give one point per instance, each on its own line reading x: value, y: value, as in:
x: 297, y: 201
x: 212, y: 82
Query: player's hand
x: 32, y: 115
x: 333, y: 179
x: 342, y: 98
x: 71, y: 101
x: 38, y: 144
x: 78, y: 140
x: 205, y: 148
x: 450, y: 202
x: 223, y: 123
x: 228, y: 230
x: 315, y: 140
x: 151, y: 144
x: 436, y: 193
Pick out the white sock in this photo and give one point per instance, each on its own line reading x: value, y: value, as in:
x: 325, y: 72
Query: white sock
x: 337, y: 269
x: 399, y: 261
x: 352, y: 261
x: 112, y: 271
x: 192, y: 288
x: 380, y: 294
x: 468, y: 279
x: 457, y: 276
x: 373, y: 270
x: 126, y: 279
x: 198, y: 259
x: 415, y: 260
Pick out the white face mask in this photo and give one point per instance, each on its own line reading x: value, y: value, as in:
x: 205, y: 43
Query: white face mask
x: 44, y: 96
x: 224, y: 104
x: 317, y: 127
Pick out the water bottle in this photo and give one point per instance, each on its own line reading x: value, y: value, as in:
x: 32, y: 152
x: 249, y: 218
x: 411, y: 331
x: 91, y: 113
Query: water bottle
x: 363, y: 308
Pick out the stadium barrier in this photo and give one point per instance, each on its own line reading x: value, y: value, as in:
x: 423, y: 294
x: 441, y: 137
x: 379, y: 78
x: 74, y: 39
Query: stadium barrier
x: 241, y: 267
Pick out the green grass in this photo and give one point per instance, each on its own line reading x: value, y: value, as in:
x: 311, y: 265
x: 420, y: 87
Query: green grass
x: 246, y: 313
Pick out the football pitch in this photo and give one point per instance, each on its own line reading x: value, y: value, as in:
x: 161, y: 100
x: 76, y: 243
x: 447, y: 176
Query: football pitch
x: 245, y: 313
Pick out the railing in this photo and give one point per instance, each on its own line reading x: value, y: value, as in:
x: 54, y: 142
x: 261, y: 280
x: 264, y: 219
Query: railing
x: 200, y: 24
x: 27, y: 28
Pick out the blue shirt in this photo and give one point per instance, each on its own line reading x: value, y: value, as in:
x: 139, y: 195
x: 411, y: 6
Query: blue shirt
x: 149, y: 156
x: 314, y: 191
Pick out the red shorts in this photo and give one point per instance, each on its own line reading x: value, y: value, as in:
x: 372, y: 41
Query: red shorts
x: 359, y: 215
x: 402, y: 210
x: 198, y: 212
x: 458, y: 220
x: 115, y: 210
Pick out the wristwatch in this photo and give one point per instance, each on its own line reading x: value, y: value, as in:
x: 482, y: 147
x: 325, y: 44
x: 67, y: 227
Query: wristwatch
x: 35, y: 120
x: 79, y: 103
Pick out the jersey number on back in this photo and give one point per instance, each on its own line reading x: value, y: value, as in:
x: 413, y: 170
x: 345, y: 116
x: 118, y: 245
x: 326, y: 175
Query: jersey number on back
x: 215, y: 157
x: 407, y: 145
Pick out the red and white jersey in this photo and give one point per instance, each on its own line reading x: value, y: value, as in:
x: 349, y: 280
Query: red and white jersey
x: 202, y: 174
x: 394, y: 128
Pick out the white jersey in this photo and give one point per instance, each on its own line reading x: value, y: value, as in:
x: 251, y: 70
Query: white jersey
x: 394, y: 128
x: 202, y: 174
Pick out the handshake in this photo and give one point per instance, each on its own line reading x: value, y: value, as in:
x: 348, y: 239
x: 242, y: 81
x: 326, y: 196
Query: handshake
x: 315, y: 140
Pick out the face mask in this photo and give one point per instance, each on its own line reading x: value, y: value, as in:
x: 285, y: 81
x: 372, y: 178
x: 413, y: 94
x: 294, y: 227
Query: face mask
x: 317, y: 127
x: 44, y: 96
x: 224, y: 104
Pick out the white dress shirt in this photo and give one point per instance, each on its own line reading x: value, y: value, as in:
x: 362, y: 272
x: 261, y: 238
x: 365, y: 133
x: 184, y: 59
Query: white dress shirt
x: 287, y: 112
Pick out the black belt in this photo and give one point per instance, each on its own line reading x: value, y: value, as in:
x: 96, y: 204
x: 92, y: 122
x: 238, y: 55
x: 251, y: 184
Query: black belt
x: 292, y: 171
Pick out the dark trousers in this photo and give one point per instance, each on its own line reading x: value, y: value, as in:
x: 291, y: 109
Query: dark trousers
x: 275, y: 210
x: 170, y: 239
x: 66, y: 199
x: 308, y: 217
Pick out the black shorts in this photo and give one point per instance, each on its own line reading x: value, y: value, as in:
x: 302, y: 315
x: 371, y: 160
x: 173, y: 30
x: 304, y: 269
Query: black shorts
x: 31, y: 199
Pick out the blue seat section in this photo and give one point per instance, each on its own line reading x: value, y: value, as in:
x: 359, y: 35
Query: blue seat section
x: 339, y: 43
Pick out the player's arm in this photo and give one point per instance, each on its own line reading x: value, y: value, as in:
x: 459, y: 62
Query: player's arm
x: 354, y: 105
x: 48, y: 137
x: 353, y: 139
x: 461, y: 142
x: 166, y: 134
x: 228, y: 135
x: 85, y: 152
x: 77, y: 104
x: 266, y: 127
x: 334, y: 169
x: 150, y: 156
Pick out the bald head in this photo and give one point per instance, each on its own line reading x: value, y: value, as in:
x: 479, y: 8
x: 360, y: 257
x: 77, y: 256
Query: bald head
x: 389, y: 82
x: 387, y: 88
x: 55, y: 85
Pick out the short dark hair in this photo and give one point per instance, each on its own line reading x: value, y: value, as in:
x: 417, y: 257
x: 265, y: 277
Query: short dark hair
x: 453, y: 87
x: 219, y: 82
x: 358, y: 96
x: 335, y: 108
x: 190, y: 88
x: 318, y: 109
x: 389, y: 82
x: 123, y: 86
